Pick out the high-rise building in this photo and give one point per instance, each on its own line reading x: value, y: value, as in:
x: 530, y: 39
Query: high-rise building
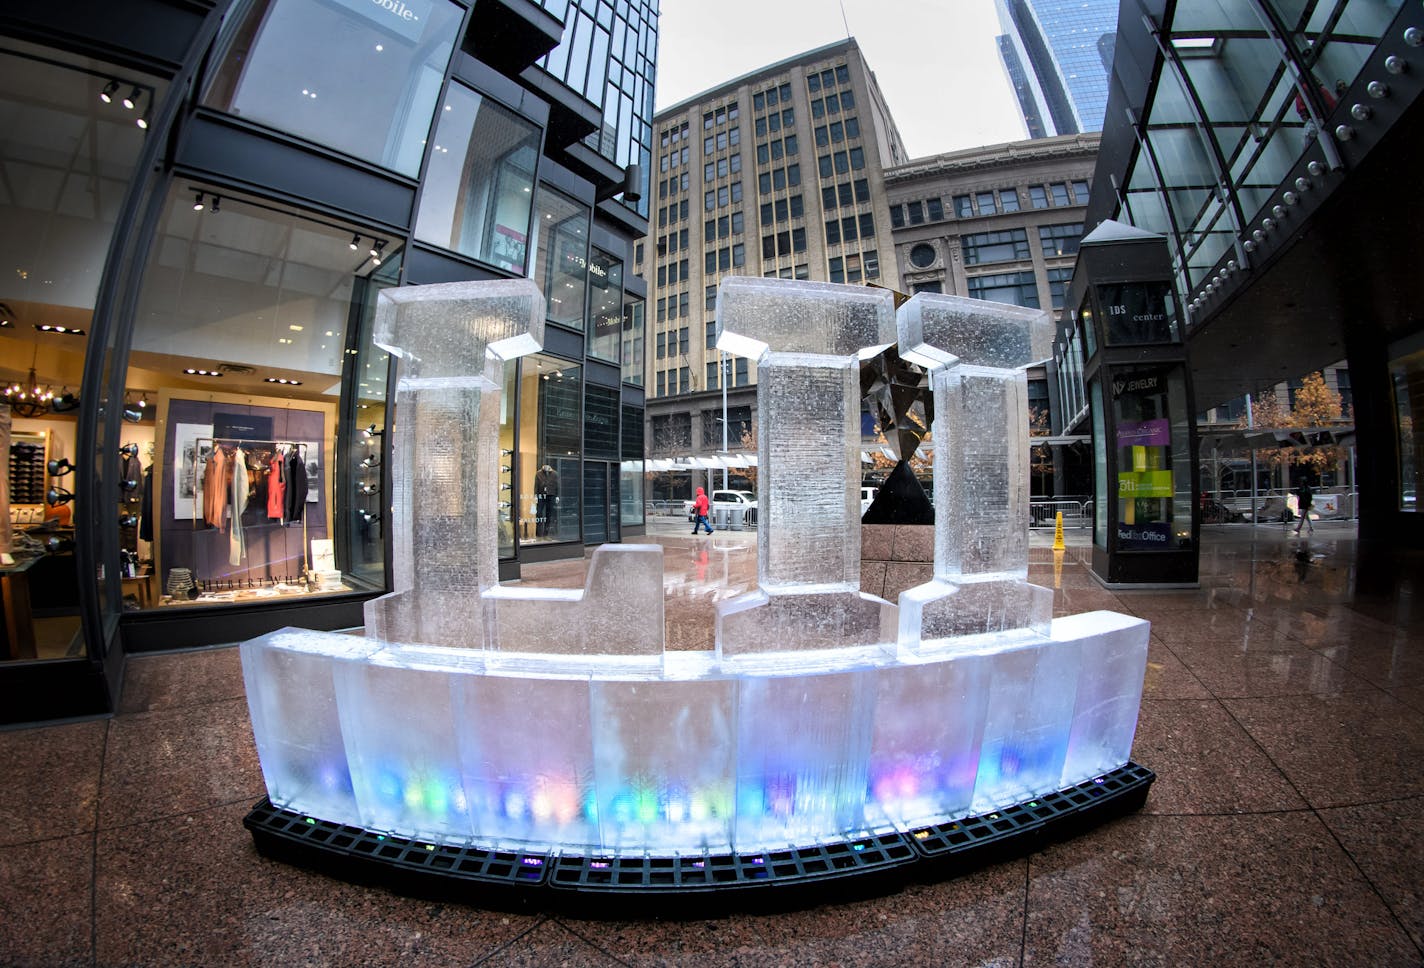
x: 776, y: 173
x: 1058, y: 55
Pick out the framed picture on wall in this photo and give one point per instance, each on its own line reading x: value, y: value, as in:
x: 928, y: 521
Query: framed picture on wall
x: 194, y: 446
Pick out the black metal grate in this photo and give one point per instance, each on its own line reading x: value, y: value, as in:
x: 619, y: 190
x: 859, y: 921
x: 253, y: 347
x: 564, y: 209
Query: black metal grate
x: 714, y: 871
x: 1054, y: 814
x: 500, y: 877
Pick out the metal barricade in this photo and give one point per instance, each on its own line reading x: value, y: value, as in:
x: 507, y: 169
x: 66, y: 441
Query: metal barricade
x: 1076, y: 514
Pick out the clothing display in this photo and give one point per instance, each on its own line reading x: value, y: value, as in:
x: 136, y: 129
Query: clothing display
x: 237, y: 546
x: 216, y: 486
x: 6, y: 476
x: 296, y: 498
x: 145, y: 515
x: 130, y: 495
x: 277, y: 488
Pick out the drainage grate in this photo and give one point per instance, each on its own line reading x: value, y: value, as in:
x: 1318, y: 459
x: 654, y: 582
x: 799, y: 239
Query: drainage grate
x: 713, y: 871
x: 499, y: 878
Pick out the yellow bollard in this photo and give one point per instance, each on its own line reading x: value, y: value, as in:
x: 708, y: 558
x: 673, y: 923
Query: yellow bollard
x: 1058, y: 532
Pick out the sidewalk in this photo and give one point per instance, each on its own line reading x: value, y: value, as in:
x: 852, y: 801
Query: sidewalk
x: 1283, y: 714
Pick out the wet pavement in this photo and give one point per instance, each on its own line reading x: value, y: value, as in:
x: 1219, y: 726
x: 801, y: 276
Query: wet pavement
x: 1283, y: 713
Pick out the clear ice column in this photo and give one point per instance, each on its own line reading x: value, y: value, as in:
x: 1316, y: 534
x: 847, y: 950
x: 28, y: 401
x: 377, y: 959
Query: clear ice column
x: 975, y: 351
x: 807, y: 339
x: 452, y: 341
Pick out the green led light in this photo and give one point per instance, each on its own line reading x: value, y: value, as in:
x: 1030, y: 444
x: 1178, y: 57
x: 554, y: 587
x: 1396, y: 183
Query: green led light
x: 310, y: 820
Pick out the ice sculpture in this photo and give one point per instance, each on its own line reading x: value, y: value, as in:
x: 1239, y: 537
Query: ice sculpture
x: 815, y: 719
x: 452, y: 341
x: 807, y: 339
x: 975, y: 351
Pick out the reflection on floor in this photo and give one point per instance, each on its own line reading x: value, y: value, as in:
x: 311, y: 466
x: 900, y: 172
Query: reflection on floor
x: 1284, y: 716
x: 58, y: 637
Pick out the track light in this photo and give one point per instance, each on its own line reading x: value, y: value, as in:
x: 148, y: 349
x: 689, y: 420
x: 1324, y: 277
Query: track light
x: 367, y: 489
x: 64, y: 401
x: 198, y: 205
x: 107, y: 94
x: 376, y: 250
x: 57, y: 496
x: 128, y: 520
x: 132, y: 413
x: 355, y: 242
x: 371, y: 431
x: 217, y: 200
x: 131, y: 101
x: 60, y: 467
x: 371, y: 460
x: 370, y: 516
x: 142, y: 122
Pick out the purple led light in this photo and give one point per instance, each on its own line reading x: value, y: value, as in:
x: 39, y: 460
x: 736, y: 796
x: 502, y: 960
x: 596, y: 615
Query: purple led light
x: 531, y: 861
x: 599, y: 865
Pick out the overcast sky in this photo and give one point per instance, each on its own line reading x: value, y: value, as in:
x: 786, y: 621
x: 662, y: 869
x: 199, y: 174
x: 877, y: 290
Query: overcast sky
x: 936, y: 60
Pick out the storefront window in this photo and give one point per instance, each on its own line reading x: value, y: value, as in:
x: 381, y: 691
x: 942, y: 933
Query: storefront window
x: 1407, y: 374
x: 479, y: 184
x: 549, y: 449
x: 360, y: 77
x: 1154, y: 477
x: 1101, y: 507
x: 507, y: 486
x: 68, y: 150
x: 243, y: 329
x: 561, y: 256
x: 605, y: 287
x: 630, y: 489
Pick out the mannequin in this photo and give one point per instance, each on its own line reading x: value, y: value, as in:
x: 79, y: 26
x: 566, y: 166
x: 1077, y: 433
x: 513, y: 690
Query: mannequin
x: 546, y: 496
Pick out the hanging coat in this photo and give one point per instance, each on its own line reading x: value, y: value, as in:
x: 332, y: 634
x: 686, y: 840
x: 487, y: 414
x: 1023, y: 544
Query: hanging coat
x: 216, y: 487
x: 296, y: 486
x: 236, y: 544
x: 276, y: 488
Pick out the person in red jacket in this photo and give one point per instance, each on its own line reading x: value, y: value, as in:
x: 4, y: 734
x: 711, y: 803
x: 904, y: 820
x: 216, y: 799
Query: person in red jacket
x: 699, y: 508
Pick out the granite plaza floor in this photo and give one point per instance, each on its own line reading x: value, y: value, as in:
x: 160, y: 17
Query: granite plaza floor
x: 1283, y: 714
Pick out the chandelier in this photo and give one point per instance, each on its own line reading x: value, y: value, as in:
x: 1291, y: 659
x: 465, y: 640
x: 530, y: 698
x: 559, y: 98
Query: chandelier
x: 28, y: 399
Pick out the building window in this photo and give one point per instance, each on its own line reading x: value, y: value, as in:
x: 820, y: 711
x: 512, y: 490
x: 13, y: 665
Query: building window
x: 1060, y: 193
x: 995, y: 247
x: 1058, y: 279
x: 922, y: 256
x: 867, y: 225
x: 833, y: 235
x: 837, y: 269
x: 934, y: 209
x: 1060, y: 239
x: 927, y: 287
x: 381, y: 114
x: 798, y: 242
x: 1037, y: 197
x: 1080, y: 192
x: 916, y: 213
x: 1014, y: 288
x: 1008, y: 200
x: 857, y: 159
x: 987, y: 202
x: 561, y: 254
x: 963, y: 206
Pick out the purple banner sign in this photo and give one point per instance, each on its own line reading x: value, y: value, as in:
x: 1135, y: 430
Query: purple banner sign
x: 1144, y: 433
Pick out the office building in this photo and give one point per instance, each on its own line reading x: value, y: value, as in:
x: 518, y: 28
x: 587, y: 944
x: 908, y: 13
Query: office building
x: 1002, y: 223
x: 1058, y: 56
x: 776, y: 173
x: 203, y: 206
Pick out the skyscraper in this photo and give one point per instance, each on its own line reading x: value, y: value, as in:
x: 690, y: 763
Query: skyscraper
x: 1058, y: 55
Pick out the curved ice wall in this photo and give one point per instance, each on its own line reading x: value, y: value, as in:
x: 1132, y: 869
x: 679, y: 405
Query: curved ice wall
x: 498, y: 715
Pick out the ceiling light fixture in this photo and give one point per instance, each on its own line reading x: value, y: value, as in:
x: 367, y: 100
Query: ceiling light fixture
x: 197, y: 372
x: 107, y: 94
x: 282, y: 380
x: 376, y: 251
x: 198, y: 205
x: 62, y: 330
x: 217, y: 200
x: 131, y: 101
x: 355, y: 242
x: 142, y: 122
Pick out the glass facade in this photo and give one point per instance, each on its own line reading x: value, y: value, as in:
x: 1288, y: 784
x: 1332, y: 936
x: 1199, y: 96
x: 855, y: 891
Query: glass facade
x: 369, y: 88
x: 194, y: 291
x: 1058, y: 56
x: 607, y: 55
x: 479, y: 183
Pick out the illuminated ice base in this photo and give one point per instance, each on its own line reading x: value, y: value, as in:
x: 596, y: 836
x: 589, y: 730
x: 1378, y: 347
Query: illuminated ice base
x: 608, y: 753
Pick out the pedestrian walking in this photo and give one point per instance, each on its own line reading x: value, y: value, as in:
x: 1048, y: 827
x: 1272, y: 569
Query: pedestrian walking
x: 700, y: 510
x: 1304, y: 498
